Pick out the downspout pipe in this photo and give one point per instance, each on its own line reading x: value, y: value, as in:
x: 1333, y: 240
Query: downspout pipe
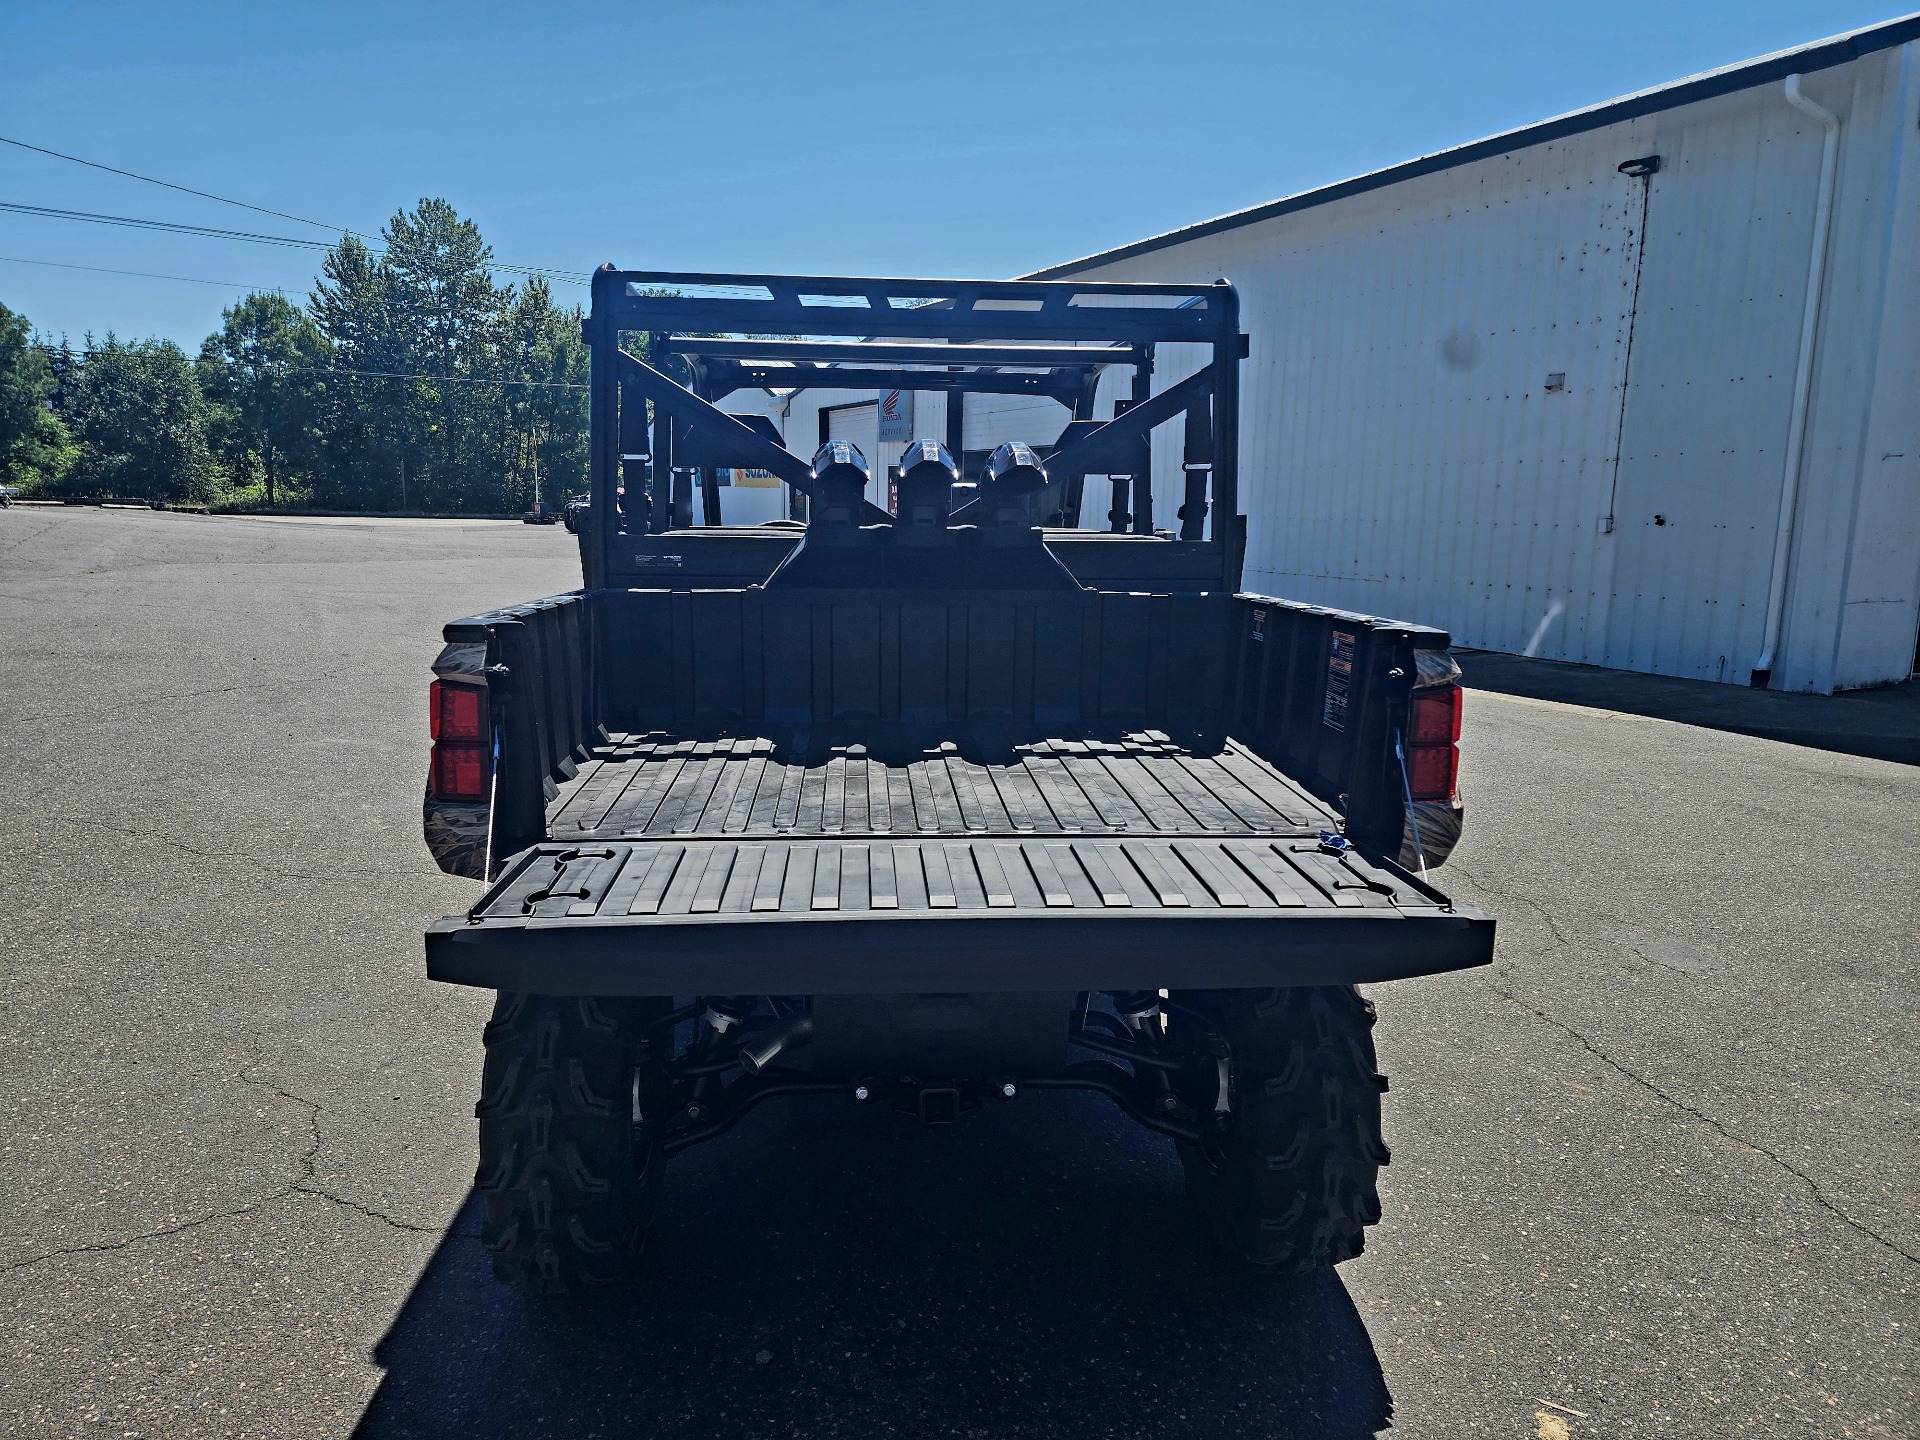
x: 1802, y: 381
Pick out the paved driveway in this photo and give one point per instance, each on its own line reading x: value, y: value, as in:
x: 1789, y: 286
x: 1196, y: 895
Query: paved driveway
x: 1654, y: 1170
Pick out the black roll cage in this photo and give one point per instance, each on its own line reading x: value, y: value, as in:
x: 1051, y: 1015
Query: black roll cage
x: 1048, y: 338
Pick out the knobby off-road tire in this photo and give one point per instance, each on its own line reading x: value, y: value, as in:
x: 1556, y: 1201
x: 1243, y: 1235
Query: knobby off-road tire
x: 1287, y: 1185
x: 568, y: 1179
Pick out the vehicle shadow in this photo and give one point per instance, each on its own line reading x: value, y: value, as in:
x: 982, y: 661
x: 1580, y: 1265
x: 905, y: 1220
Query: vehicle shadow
x: 831, y: 1270
x: 1880, y: 724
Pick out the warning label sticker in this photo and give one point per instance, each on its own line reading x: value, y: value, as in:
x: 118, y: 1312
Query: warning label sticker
x: 1339, y: 681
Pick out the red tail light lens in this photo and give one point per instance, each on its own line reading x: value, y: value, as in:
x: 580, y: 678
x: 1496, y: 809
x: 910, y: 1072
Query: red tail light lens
x: 462, y: 762
x: 459, y: 772
x: 1433, y: 764
x: 457, y: 712
x: 1432, y: 771
x: 1436, y: 716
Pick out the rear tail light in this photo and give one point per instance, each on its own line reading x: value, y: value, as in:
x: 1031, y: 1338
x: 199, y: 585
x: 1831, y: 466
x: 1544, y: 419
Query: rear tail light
x: 1433, y: 761
x: 462, y: 765
x: 459, y: 772
x: 1436, y: 716
x: 457, y: 712
x: 1432, y: 771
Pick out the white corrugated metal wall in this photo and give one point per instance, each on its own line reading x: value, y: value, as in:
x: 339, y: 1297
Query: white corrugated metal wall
x: 751, y: 502
x: 1402, y: 451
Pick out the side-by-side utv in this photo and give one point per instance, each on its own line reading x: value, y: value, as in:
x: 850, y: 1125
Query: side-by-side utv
x: 936, y: 799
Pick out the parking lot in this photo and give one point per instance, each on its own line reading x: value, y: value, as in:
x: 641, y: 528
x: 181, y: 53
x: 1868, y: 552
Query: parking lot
x: 1653, y: 1175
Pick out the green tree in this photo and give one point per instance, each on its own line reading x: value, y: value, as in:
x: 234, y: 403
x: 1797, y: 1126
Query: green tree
x: 411, y: 380
x: 547, y: 410
x: 33, y: 442
x: 449, y: 315
x: 365, y: 430
x: 262, y: 366
x: 424, y: 326
x: 142, y: 424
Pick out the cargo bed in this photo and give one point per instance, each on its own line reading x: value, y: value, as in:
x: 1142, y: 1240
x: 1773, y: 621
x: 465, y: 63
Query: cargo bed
x: 969, y: 858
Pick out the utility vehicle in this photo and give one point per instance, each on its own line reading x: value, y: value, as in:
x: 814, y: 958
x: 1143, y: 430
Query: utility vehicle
x: 938, y: 799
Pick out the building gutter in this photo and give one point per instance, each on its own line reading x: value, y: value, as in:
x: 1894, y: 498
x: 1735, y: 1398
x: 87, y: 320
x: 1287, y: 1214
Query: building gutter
x: 1783, y: 534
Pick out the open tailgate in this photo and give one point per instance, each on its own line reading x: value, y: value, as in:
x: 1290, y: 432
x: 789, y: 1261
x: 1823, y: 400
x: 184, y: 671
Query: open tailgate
x: 867, y: 916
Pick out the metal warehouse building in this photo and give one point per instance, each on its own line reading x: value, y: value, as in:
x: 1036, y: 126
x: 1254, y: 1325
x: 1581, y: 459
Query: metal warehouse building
x: 1637, y: 386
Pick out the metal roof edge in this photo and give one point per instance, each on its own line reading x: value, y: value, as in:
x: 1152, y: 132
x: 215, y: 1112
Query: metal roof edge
x: 1745, y: 75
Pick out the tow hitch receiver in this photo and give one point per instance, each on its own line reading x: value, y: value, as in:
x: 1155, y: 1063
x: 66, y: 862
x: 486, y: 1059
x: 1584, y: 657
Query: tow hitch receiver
x: 939, y: 1105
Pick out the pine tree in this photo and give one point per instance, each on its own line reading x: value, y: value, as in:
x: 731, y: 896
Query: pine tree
x: 34, y: 446
x: 263, y: 368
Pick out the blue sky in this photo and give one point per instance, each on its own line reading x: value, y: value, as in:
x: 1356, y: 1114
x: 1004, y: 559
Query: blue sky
x: 953, y: 139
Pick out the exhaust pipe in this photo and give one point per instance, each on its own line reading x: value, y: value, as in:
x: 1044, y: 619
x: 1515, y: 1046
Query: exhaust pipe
x: 758, y: 1057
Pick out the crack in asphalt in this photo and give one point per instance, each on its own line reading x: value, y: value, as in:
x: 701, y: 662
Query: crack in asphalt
x: 1813, y: 1186
x: 281, y: 684
x: 1562, y: 937
x: 182, y: 695
x: 135, y: 1239
x: 21, y: 540
x: 165, y: 839
x: 1658, y: 964
x: 307, y: 1184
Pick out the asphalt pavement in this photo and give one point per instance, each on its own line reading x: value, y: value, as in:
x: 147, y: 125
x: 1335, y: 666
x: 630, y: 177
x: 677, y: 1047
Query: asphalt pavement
x: 1654, y: 1170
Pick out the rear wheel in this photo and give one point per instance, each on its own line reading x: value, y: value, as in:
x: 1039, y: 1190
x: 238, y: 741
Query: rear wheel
x: 1285, y: 1173
x: 569, y: 1170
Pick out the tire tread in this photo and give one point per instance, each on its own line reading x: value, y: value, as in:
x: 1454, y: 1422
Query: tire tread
x: 567, y: 1181
x: 1294, y: 1187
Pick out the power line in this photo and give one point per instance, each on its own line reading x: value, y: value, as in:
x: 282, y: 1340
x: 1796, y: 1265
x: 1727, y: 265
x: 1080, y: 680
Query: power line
x: 571, y: 277
x: 174, y: 227
x: 143, y: 274
x: 215, y: 232
x: 183, y: 189
x: 442, y: 379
